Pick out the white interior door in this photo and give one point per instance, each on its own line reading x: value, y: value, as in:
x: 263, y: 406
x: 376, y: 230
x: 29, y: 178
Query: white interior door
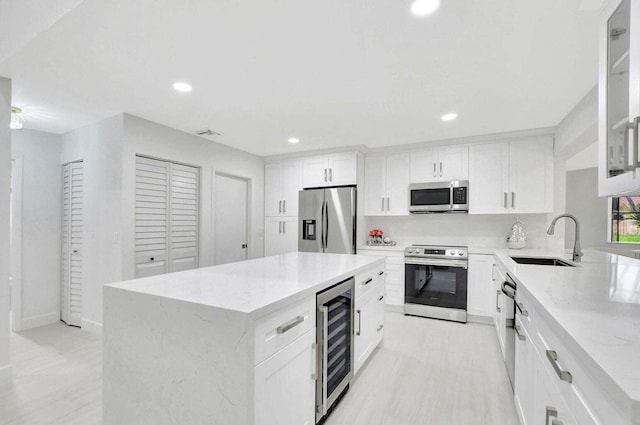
x: 183, y: 212
x: 231, y: 219
x: 72, y: 216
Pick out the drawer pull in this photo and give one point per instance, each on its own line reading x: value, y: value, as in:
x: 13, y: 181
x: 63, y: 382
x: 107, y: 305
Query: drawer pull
x: 368, y: 281
x: 552, y: 412
x: 381, y: 298
x: 521, y: 336
x: 358, y: 312
x: 288, y: 326
x: 564, y: 375
x: 523, y: 310
x: 380, y: 326
x: 381, y: 273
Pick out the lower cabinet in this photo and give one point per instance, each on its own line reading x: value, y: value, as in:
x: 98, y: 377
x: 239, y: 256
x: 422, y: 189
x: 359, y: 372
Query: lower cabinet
x: 480, y: 291
x: 394, y: 282
x: 368, y: 315
x: 285, y: 388
x: 280, y: 235
x: 500, y: 309
x: 525, y: 375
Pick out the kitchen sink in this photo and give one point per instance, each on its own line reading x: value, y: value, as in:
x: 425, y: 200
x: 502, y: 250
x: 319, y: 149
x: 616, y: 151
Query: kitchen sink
x: 541, y: 261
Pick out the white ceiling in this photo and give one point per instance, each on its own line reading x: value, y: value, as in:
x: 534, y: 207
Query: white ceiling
x: 330, y: 72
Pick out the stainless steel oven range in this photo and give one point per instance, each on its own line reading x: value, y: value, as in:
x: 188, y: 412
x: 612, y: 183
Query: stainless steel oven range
x: 436, y: 282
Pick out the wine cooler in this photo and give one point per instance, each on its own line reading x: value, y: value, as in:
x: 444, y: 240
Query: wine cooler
x: 335, y: 345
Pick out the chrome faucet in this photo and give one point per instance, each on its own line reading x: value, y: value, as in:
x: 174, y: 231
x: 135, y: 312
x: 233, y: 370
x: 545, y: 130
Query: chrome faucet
x: 577, y: 252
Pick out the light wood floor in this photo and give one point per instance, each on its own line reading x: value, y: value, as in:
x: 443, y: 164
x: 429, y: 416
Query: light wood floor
x: 428, y: 372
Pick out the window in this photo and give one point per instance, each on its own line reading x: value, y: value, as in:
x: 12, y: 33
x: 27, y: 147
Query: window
x: 625, y: 219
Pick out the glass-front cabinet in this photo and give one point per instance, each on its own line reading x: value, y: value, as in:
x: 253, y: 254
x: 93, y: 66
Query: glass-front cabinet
x: 619, y: 97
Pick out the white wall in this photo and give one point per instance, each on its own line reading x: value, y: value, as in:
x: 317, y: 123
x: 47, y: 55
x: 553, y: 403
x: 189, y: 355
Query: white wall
x: 100, y: 147
x: 41, y: 197
x: 5, y: 179
x: 147, y: 138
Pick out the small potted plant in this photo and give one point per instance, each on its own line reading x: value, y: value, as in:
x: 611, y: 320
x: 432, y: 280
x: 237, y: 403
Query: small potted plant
x: 375, y: 236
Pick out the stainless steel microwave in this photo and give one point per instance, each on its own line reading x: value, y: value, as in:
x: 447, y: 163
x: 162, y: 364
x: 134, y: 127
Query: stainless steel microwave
x: 439, y: 197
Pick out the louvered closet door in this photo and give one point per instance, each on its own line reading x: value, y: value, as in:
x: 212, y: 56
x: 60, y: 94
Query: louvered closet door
x: 152, y: 212
x: 72, y: 212
x: 184, y: 203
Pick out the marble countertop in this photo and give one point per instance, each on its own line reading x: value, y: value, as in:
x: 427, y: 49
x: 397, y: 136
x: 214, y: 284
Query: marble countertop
x: 255, y: 287
x: 596, y: 306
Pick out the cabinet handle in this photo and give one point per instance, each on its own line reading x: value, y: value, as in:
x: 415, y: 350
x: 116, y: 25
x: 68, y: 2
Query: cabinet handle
x: 521, y: 336
x: 325, y: 175
x: 564, y: 375
x: 284, y: 228
x: 366, y: 282
x: 493, y: 272
x: 441, y: 169
x: 633, y: 125
x: 290, y: 325
x: 381, y: 298
x: 279, y: 206
x: 551, y: 412
x: 505, y: 199
x: 522, y: 310
x: 388, y: 204
x: 382, y: 204
x: 513, y: 199
x: 380, y: 326
x: 279, y: 227
x: 358, y: 312
x: 284, y: 205
x: 330, y: 174
x: 434, y: 170
x: 381, y: 273
x: 497, y: 301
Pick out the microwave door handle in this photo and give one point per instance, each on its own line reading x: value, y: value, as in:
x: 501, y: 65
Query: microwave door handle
x: 451, y: 196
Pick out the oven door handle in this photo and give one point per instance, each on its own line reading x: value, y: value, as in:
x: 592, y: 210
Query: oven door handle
x: 434, y: 262
x: 508, y: 290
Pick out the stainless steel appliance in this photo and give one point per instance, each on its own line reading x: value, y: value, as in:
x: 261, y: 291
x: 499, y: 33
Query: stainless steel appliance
x: 509, y: 288
x: 335, y: 345
x: 439, y: 197
x: 327, y: 220
x: 436, y: 282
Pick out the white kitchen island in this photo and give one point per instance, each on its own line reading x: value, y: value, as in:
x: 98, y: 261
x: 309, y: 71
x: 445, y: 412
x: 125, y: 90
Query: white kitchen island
x: 202, y: 347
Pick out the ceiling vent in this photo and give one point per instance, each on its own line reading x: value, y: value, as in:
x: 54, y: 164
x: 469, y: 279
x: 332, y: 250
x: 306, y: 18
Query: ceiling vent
x: 208, y: 132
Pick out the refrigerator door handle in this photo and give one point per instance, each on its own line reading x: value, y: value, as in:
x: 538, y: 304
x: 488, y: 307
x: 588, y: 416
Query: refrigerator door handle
x: 326, y: 226
x: 323, y: 229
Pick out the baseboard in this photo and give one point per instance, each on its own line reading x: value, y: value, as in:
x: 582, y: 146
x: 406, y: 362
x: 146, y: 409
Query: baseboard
x: 91, y: 326
x: 40, y: 320
x: 6, y: 375
x: 394, y: 308
x: 483, y: 320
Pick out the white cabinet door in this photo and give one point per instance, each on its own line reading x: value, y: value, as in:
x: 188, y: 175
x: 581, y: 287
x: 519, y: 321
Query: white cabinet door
x: 315, y: 172
x: 499, y: 297
x: 183, y: 217
x: 284, y: 385
x: 291, y: 185
x: 365, y: 329
x: 290, y: 234
x: 375, y: 185
x: 272, y: 189
x: 273, y: 239
x: 531, y: 176
x: 343, y: 169
x: 453, y: 163
x: 549, y: 405
x: 488, y: 178
x: 397, y: 175
x: 424, y: 167
x: 480, y: 289
x: 379, y: 313
x: 525, y: 376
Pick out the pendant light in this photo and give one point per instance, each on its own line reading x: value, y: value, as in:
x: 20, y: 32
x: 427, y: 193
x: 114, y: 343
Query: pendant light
x: 17, y: 119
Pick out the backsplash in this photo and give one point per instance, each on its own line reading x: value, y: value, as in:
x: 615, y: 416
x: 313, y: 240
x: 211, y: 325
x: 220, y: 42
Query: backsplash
x: 459, y: 229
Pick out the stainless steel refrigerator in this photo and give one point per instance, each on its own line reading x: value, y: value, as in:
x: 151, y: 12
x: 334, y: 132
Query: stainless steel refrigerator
x: 327, y: 220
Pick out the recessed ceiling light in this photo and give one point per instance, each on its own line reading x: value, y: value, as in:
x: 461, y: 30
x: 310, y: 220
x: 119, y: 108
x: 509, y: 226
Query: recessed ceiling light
x: 293, y: 140
x: 449, y: 117
x: 182, y: 87
x: 424, y: 7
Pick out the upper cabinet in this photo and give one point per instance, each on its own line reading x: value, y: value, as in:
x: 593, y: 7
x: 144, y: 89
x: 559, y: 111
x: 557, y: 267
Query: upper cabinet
x: 619, y: 98
x: 386, y: 184
x: 440, y: 164
x: 511, y: 177
x: 282, y: 181
x: 330, y: 170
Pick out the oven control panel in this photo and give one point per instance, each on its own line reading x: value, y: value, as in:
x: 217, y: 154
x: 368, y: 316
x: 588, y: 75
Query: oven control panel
x: 428, y: 251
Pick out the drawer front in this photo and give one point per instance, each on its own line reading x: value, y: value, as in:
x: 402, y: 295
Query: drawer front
x: 365, y: 281
x: 524, y: 310
x: 587, y: 401
x: 280, y: 328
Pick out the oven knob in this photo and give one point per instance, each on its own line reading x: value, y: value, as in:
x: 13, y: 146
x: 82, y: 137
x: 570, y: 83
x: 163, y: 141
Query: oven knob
x: 409, y: 251
x: 461, y: 253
